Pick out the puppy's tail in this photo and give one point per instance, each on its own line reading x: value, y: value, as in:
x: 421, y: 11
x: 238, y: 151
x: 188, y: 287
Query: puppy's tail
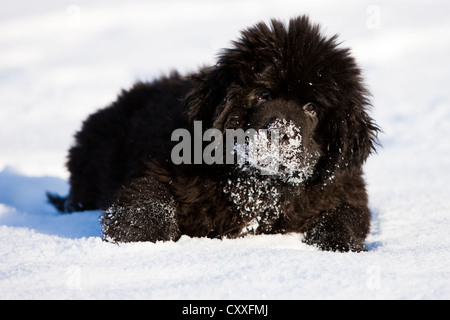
x: 62, y: 204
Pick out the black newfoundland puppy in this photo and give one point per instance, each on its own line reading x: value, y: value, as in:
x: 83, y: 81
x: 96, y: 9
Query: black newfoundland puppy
x: 131, y: 160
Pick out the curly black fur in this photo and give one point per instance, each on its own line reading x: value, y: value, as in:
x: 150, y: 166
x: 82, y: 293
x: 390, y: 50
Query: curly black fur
x: 121, y: 159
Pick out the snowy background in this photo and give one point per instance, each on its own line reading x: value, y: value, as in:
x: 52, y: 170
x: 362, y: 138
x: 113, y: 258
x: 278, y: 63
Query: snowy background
x: 62, y: 60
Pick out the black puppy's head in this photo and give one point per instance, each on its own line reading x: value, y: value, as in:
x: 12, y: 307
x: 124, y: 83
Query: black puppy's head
x: 292, y: 78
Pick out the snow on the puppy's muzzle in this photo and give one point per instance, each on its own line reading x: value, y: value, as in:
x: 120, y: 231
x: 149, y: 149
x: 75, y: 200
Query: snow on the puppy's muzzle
x: 279, y: 151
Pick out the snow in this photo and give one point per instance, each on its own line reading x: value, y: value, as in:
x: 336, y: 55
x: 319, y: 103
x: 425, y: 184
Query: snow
x: 62, y: 60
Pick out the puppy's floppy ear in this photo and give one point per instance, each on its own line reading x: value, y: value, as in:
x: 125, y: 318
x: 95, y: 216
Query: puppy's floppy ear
x: 353, y: 136
x: 363, y: 134
x: 208, y: 99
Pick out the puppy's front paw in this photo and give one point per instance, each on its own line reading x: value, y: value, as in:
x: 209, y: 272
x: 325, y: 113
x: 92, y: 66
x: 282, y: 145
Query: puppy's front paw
x: 129, y: 224
x: 343, y: 229
x: 144, y: 210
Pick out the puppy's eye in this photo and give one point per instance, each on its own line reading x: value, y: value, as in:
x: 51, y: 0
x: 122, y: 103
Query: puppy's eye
x: 310, y: 108
x: 264, y: 95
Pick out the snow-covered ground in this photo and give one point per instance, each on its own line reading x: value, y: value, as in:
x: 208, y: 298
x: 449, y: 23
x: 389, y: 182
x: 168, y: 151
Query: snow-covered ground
x: 61, y: 60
